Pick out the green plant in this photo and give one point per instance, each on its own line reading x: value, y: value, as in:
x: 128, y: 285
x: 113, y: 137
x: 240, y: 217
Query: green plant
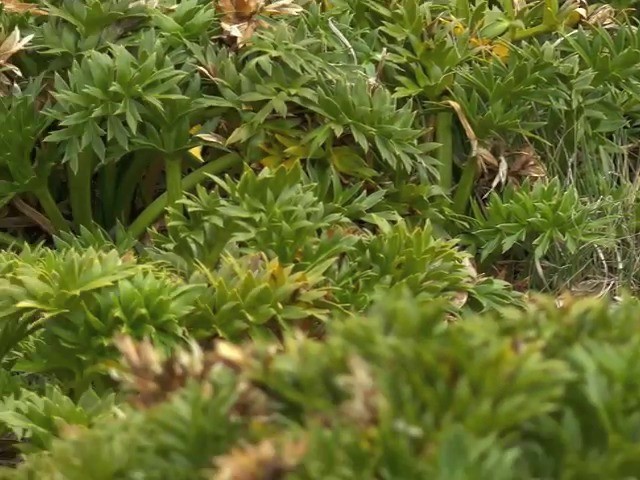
x: 66, y: 306
x: 540, y: 222
x: 113, y: 103
x: 26, y: 163
x: 418, y: 261
x: 41, y: 418
x: 545, y: 392
x: 353, y: 193
x: 272, y: 212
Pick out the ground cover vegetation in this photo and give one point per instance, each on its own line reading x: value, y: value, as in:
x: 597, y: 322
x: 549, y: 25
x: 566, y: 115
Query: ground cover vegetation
x: 337, y: 239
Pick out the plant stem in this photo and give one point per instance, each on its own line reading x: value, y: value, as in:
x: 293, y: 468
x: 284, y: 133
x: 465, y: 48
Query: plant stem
x: 108, y: 179
x: 507, y: 6
x: 128, y: 184
x: 155, y: 208
x: 532, y: 32
x: 173, y: 176
x: 464, y: 190
x: 80, y: 192
x: 444, y: 124
x: 51, y: 209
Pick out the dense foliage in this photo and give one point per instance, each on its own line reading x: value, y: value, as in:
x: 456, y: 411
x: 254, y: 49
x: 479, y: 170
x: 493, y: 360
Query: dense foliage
x: 251, y: 239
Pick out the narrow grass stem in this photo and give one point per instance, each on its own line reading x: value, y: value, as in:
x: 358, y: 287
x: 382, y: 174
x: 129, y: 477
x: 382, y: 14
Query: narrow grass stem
x: 155, y: 208
x: 50, y: 208
x: 444, y: 136
x: 532, y: 32
x: 173, y: 176
x: 128, y: 184
x: 464, y: 190
x: 108, y: 179
x: 80, y: 192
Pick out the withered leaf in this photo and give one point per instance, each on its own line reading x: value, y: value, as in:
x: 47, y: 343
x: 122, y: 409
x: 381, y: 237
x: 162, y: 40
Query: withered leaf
x: 268, y: 460
x: 14, y: 6
x: 240, y: 18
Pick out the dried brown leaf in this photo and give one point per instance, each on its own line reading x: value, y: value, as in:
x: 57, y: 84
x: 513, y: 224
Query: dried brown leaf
x: 151, y: 379
x: 12, y: 44
x: 208, y: 72
x: 238, y: 9
x: 363, y: 405
x: 466, y: 125
x: 486, y: 160
x: 268, y: 460
x: 526, y: 165
x: 231, y: 355
x: 282, y: 7
x: 469, y: 266
x: 13, y: 6
x: 226, y: 7
x: 240, y: 18
x: 459, y: 299
x: 603, y: 16
x: 501, y: 176
x: 34, y: 215
x: 242, y: 31
x: 251, y: 402
x: 519, y: 5
x: 212, y: 138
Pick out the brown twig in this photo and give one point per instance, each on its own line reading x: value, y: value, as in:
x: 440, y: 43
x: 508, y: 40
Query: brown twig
x: 34, y: 215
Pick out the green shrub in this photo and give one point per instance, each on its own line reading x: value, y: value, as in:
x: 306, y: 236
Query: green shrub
x: 302, y: 179
x: 41, y: 418
x: 541, y: 223
x: 550, y: 392
x: 64, y: 307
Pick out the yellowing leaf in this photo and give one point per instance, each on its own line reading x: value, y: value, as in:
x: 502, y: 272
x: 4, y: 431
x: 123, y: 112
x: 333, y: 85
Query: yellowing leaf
x: 270, y: 162
x: 501, y: 50
x: 197, y: 152
x: 347, y: 161
x: 14, y: 6
x: 296, y: 151
x: 458, y: 29
x: 286, y: 141
x: 479, y: 42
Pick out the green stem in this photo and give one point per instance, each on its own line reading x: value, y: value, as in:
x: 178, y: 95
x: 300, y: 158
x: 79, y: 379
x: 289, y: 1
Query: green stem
x: 464, y: 190
x: 155, y: 208
x: 80, y: 192
x: 173, y: 175
x: 532, y: 32
x: 129, y: 183
x: 108, y: 179
x: 51, y: 209
x: 507, y: 5
x: 444, y: 124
